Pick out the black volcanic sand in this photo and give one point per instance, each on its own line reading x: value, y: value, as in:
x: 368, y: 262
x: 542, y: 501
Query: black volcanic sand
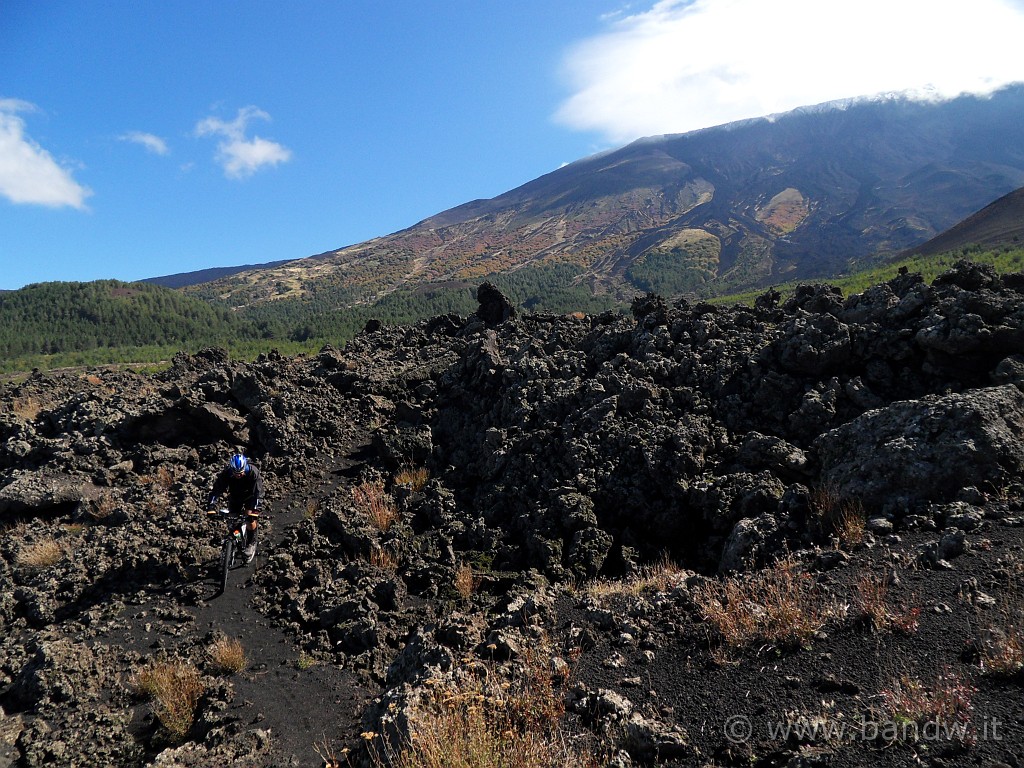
x: 566, y: 459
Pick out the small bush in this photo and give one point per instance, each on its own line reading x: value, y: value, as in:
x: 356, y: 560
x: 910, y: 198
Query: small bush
x: 383, y: 558
x: 870, y: 600
x: 375, y: 504
x: 104, y: 507
x: 27, y: 408
x: 845, y: 519
x: 660, y: 576
x: 413, y: 478
x: 480, y: 718
x: 312, y: 509
x: 164, y: 478
x: 175, y: 688
x: 17, y: 529
x: 40, y: 554
x: 871, y: 603
x: 945, y: 704
x: 465, y: 582
x: 1001, y: 647
x: 1003, y: 654
x: 780, y: 605
x: 228, y: 655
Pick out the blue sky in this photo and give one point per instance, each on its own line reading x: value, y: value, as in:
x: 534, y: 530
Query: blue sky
x: 140, y: 139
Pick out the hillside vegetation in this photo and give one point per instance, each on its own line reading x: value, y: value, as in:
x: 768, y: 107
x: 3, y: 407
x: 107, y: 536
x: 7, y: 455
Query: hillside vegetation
x: 866, y: 274
x: 53, y: 325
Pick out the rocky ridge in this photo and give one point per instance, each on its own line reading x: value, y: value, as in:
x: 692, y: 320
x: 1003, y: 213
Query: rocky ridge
x: 540, y: 472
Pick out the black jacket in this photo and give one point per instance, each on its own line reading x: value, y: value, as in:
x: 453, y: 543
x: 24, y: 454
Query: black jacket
x: 245, y: 492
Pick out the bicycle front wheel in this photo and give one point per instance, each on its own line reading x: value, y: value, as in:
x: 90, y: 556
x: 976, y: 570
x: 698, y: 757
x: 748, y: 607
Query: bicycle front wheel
x: 227, y: 556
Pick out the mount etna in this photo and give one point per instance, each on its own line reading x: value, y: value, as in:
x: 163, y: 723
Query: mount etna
x: 793, y: 196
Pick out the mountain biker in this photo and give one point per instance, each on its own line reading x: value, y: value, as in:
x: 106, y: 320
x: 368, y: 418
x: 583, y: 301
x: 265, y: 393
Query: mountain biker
x: 244, y: 485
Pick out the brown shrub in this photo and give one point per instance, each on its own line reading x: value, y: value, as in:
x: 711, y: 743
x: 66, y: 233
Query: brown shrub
x: 39, y: 554
x: 659, y: 576
x: 465, y: 581
x: 843, y: 518
x: 871, y: 603
x: 227, y: 655
x: 376, y: 504
x: 164, y: 478
x: 104, y: 506
x: 383, y: 558
x: 780, y: 605
x: 480, y: 717
x: 413, y: 478
x: 945, y: 704
x: 175, y: 688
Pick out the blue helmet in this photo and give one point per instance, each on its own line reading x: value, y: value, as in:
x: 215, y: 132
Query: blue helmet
x: 239, y: 464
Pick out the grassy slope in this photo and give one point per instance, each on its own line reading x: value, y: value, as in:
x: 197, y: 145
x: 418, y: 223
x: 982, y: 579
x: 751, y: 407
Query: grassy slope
x: 930, y: 267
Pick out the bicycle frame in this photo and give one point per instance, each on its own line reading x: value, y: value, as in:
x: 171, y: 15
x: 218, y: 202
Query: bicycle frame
x: 234, y: 541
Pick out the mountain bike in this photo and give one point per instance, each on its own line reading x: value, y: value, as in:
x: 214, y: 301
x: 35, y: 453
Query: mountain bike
x: 234, y: 542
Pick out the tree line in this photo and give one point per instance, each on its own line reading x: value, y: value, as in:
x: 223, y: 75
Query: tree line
x: 108, y: 321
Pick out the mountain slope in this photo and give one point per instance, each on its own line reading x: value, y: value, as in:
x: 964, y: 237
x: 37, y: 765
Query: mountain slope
x: 182, y: 279
x: 741, y: 205
x: 998, y: 224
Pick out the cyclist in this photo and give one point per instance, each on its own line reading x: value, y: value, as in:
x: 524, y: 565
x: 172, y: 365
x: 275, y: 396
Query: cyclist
x: 244, y: 485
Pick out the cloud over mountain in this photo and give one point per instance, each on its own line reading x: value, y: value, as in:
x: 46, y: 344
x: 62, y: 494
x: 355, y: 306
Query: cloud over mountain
x: 690, y: 64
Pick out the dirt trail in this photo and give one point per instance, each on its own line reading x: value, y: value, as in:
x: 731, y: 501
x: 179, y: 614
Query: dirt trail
x: 302, y: 708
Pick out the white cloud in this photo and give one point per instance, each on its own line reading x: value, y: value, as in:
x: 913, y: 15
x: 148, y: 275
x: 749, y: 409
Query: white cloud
x: 238, y: 155
x: 28, y: 173
x: 688, y: 64
x: 153, y: 144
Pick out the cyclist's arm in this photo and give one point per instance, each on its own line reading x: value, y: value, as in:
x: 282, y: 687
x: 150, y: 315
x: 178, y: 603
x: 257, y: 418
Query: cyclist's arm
x: 219, y: 486
x: 256, y: 499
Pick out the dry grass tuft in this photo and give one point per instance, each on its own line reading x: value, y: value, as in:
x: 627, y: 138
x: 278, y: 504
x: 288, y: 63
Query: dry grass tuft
x: 40, y: 554
x: 104, y: 507
x: 413, y: 478
x: 465, y: 582
x: 375, y: 504
x: 27, y: 408
x: 1003, y: 654
x: 481, y: 718
x: 1001, y: 648
x: 227, y: 655
x: 312, y: 509
x: 175, y: 688
x: 779, y: 606
x: 944, y: 706
x: 16, y: 529
x: 871, y: 600
x: 384, y: 559
x: 660, y: 576
x: 871, y: 603
x: 164, y: 478
x: 843, y: 518
x: 156, y: 506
